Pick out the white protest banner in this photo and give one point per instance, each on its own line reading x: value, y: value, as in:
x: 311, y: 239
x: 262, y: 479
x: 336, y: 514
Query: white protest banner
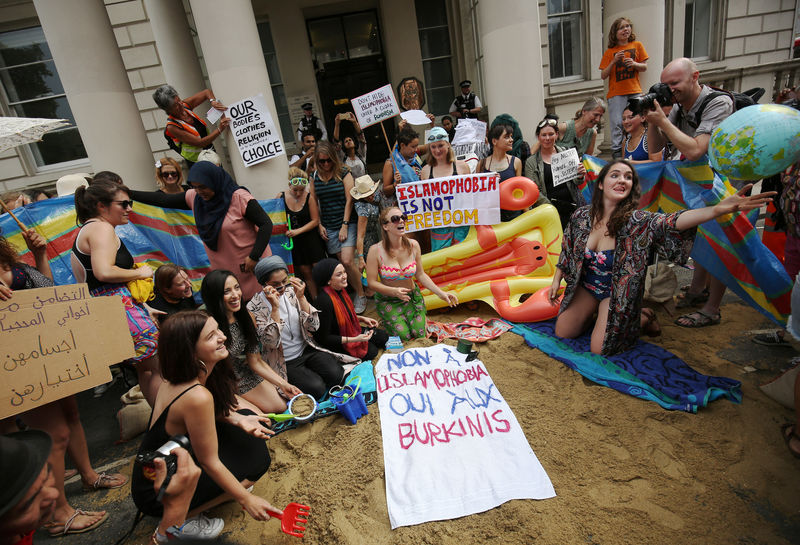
x: 254, y: 131
x: 56, y: 342
x: 469, y: 131
x: 375, y: 106
x: 467, y: 199
x: 564, y: 166
x: 451, y: 444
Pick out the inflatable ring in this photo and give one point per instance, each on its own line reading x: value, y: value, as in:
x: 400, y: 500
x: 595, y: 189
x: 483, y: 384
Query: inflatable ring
x: 518, y: 193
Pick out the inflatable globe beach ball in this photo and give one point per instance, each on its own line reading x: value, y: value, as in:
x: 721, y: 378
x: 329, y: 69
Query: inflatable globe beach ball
x: 756, y: 142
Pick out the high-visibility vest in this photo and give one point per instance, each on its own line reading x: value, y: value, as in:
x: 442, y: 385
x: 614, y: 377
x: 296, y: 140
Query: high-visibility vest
x: 187, y: 151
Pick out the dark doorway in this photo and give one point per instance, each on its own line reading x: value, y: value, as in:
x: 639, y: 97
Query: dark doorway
x: 348, y: 60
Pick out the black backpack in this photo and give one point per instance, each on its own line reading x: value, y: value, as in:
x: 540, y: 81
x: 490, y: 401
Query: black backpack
x: 740, y: 100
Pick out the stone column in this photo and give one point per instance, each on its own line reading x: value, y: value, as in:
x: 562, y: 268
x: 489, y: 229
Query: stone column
x: 89, y: 64
x: 507, y: 26
x: 646, y: 16
x: 175, y: 46
x: 236, y: 69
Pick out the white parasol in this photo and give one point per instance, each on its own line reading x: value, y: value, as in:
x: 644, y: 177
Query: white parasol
x: 16, y: 131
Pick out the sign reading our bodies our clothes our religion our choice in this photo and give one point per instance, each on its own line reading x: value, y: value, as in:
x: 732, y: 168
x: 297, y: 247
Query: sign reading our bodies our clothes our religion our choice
x: 51, y: 348
x: 254, y: 130
x: 454, y: 201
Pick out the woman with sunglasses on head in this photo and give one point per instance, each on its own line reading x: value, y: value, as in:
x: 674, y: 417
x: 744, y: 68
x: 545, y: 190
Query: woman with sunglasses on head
x: 303, y: 215
x: 285, y: 323
x: 331, y: 185
x: 100, y: 258
x: 233, y: 226
x: 341, y: 328
x: 256, y: 381
x: 501, y: 137
x: 565, y: 197
x: 441, y: 163
x: 169, y: 176
x: 605, y: 254
x: 392, y: 268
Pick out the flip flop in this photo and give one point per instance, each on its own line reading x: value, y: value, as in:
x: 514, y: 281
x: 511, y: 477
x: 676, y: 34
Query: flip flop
x: 106, y: 481
x: 698, y: 318
x: 787, y: 438
x: 68, y: 529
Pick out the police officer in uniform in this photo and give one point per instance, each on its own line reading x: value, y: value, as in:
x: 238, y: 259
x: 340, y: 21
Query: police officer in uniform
x: 466, y: 105
x: 311, y: 123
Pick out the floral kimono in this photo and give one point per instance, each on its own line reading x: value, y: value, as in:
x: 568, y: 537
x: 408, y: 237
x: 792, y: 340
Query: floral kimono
x: 643, y: 235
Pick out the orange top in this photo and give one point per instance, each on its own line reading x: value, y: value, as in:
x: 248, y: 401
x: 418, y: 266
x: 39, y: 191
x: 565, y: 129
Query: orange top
x: 624, y: 80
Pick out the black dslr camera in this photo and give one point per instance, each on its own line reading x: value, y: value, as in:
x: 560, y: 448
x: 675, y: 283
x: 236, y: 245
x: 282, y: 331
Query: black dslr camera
x: 659, y: 92
x: 147, y: 460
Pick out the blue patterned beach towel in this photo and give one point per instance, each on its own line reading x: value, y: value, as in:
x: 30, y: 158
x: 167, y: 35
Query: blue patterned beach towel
x: 645, y: 371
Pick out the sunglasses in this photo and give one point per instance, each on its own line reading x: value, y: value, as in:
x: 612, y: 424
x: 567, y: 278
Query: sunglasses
x: 547, y: 122
x: 169, y: 174
x: 324, y: 161
x: 397, y: 219
x: 125, y: 204
x: 299, y: 181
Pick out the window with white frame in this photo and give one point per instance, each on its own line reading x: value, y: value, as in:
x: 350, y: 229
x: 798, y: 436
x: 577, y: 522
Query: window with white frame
x: 565, y: 38
x: 278, y: 94
x: 31, y: 88
x: 437, y: 56
x: 697, y: 29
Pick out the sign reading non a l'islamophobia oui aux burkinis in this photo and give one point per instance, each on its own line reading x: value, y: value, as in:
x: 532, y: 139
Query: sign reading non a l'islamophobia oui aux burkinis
x: 375, y: 106
x: 254, y: 131
x: 454, y: 201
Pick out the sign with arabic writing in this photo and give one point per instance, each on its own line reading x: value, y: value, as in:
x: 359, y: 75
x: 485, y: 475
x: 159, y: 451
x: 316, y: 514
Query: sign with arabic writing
x: 56, y: 342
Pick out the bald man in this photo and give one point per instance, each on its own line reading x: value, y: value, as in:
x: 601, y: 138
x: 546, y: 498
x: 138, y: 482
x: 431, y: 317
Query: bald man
x: 691, y: 140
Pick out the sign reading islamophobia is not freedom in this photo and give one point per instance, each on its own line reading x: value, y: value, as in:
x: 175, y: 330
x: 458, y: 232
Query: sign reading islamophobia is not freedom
x: 254, y: 130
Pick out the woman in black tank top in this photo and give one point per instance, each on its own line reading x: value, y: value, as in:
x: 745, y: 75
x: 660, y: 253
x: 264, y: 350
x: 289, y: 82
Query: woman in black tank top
x: 197, y: 399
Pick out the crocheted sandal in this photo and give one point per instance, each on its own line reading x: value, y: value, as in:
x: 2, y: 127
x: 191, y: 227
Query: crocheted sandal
x: 68, y: 529
x: 787, y: 438
x: 104, y: 480
x: 698, y: 318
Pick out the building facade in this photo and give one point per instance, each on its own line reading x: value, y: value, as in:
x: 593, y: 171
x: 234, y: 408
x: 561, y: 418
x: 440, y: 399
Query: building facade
x: 97, y: 63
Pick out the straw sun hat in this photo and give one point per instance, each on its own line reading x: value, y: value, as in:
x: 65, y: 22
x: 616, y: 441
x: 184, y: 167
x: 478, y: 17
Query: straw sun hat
x: 364, y: 187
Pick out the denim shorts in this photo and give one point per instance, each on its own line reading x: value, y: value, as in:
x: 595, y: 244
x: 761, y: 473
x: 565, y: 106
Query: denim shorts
x: 334, y: 245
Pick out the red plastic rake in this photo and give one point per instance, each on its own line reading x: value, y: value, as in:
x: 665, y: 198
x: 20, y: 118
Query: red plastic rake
x: 293, y: 515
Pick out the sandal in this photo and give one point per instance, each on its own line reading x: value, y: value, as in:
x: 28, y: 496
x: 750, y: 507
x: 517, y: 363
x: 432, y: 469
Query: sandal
x: 67, y: 526
x: 651, y: 327
x: 688, y: 299
x: 787, y: 438
x: 106, y: 481
x: 698, y: 318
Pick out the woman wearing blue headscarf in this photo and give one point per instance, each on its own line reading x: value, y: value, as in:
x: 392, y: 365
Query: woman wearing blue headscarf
x: 235, y: 230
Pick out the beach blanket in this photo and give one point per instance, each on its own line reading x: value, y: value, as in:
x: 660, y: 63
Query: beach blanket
x: 326, y: 408
x: 472, y: 329
x: 451, y: 445
x: 645, y: 371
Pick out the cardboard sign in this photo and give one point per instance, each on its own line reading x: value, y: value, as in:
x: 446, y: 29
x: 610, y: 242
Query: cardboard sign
x: 376, y: 106
x: 564, y: 166
x: 56, y: 342
x: 454, y: 201
x: 451, y: 444
x: 254, y: 131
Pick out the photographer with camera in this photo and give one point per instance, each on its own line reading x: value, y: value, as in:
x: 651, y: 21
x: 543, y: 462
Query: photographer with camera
x: 690, y: 136
x: 198, y: 400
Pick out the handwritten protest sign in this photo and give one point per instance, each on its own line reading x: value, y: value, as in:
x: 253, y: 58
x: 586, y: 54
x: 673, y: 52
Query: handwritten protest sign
x: 56, y: 342
x: 254, y: 131
x: 468, y: 199
x: 375, y: 106
x: 564, y: 166
x: 451, y: 445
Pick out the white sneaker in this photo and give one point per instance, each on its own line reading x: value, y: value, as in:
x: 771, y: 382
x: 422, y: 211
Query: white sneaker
x: 200, y: 527
x: 360, y: 304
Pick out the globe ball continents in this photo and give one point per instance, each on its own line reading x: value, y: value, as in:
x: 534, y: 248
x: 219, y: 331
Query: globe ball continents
x: 756, y: 142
